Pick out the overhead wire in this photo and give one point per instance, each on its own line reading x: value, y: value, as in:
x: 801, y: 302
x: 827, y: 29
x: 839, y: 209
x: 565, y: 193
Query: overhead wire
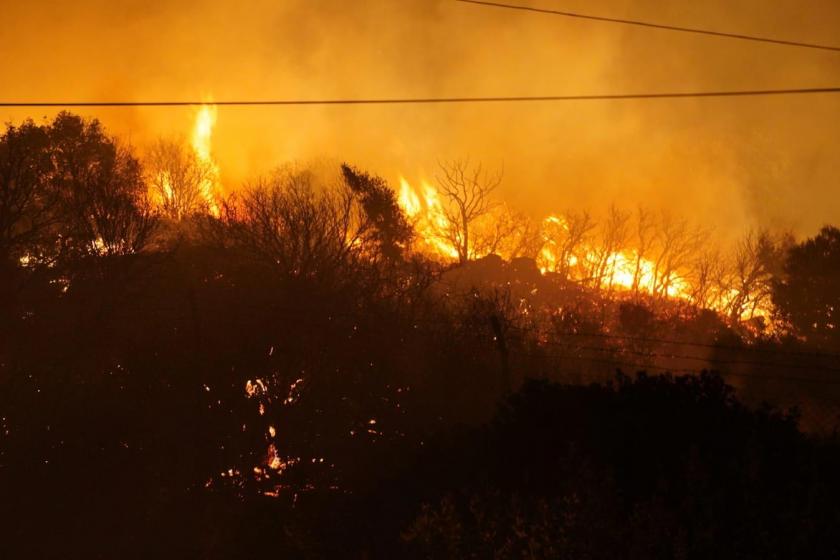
x: 711, y: 361
x: 709, y: 345
x: 652, y: 25
x: 431, y: 100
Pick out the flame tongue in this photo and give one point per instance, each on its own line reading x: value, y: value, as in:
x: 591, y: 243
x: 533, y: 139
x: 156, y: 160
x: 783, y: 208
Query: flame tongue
x: 202, y: 138
x: 203, y: 131
x: 429, y: 218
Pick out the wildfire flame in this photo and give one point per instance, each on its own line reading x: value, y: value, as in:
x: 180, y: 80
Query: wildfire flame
x: 619, y: 270
x: 436, y: 234
x: 202, y: 137
x: 427, y: 214
x: 165, y: 194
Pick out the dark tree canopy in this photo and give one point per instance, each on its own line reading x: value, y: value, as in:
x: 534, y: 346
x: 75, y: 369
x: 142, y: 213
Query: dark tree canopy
x: 25, y: 200
x: 67, y: 191
x: 391, y: 231
x: 808, y: 295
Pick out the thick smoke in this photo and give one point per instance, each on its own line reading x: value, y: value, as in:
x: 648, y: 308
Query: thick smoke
x: 729, y: 163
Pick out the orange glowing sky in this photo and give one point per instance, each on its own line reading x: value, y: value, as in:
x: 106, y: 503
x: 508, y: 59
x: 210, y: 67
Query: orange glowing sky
x: 731, y: 163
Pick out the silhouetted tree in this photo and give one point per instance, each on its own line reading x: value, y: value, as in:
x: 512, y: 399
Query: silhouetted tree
x: 390, y: 232
x: 807, y: 296
x: 103, y: 197
x: 179, y: 180
x: 507, y: 233
x: 68, y: 191
x: 708, y: 279
x: 306, y: 232
x: 466, y: 190
x: 26, y: 203
x: 614, y: 235
x: 567, y: 236
x: 645, y: 237
x: 676, y: 243
x: 758, y: 259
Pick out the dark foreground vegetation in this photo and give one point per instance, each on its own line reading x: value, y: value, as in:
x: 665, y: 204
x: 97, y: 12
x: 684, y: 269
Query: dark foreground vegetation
x: 289, y: 379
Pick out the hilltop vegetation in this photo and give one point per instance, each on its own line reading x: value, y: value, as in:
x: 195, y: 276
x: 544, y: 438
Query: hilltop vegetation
x: 288, y: 370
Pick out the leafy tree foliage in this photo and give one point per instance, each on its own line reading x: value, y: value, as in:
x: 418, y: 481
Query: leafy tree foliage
x: 26, y: 202
x: 652, y: 467
x: 67, y: 190
x: 101, y: 191
x: 390, y: 230
x: 808, y: 295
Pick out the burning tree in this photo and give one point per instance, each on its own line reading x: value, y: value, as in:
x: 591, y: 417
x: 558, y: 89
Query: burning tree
x: 284, y: 219
x: 466, y: 190
x: 178, y: 179
x: 708, y: 279
x: 757, y: 260
x: 507, y: 233
x: 644, y: 240
x: 565, y: 240
x: 677, y: 242
x: 614, y: 236
x: 184, y: 178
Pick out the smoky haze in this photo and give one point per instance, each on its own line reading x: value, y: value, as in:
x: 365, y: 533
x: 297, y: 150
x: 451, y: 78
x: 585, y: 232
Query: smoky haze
x: 729, y: 163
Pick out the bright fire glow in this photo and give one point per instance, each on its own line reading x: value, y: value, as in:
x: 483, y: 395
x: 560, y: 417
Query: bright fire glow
x: 437, y: 235
x: 425, y: 211
x: 201, y: 145
x: 620, y: 270
x: 202, y: 138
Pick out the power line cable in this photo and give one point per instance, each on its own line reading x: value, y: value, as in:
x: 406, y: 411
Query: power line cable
x: 654, y: 355
x: 429, y: 100
x: 709, y: 345
x: 526, y: 335
x: 647, y: 366
x: 714, y: 363
x: 632, y: 365
x: 652, y: 25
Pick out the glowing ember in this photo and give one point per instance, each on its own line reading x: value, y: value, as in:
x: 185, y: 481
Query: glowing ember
x: 294, y: 392
x: 254, y: 388
x: 274, y: 461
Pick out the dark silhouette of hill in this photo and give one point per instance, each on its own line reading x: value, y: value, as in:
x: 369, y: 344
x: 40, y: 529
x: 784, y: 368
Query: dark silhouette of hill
x: 288, y: 378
